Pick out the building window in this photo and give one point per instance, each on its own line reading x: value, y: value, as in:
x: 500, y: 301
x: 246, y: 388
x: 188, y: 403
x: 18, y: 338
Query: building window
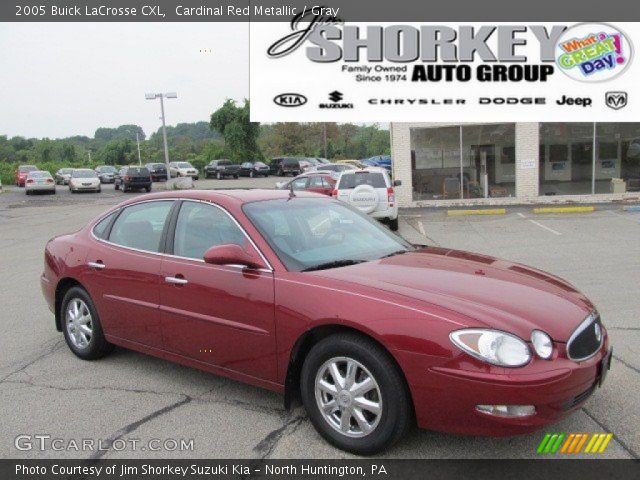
x: 586, y: 158
x: 470, y: 161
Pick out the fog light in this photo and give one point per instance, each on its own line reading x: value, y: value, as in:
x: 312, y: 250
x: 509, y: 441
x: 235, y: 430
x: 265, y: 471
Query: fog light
x: 507, y: 410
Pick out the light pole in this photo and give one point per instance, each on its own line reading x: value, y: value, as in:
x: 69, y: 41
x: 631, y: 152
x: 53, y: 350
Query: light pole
x: 162, y: 96
x: 138, y: 143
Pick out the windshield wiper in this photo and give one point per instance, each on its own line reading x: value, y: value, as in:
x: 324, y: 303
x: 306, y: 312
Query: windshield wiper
x: 397, y: 252
x: 334, y: 264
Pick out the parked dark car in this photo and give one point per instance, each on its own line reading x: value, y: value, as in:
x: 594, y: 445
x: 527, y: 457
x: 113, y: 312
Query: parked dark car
x: 221, y: 169
x: 133, y: 178
x: 158, y: 171
x: 254, y: 169
x: 106, y: 173
x: 283, y: 166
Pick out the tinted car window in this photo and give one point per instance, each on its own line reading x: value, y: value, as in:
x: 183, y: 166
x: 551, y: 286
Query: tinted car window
x: 39, y: 175
x: 290, y: 161
x: 224, y: 162
x: 316, y: 182
x: 299, y: 183
x: 352, y: 180
x: 200, y: 227
x: 140, y: 226
x: 138, y: 172
x: 247, y: 165
x: 100, y: 229
x: 84, y: 174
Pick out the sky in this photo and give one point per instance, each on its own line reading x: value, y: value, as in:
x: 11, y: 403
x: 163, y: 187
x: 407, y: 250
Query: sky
x: 63, y: 79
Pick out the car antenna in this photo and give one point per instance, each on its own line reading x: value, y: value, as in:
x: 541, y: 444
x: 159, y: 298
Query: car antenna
x: 292, y: 194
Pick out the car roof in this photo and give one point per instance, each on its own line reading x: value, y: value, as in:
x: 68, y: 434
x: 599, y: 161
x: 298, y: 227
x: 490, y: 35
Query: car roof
x: 239, y: 196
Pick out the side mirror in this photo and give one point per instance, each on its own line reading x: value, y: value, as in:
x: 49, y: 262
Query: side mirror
x: 230, y: 254
x: 397, y: 183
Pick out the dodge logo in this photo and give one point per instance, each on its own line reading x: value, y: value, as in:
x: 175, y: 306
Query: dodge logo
x: 616, y: 100
x: 290, y: 100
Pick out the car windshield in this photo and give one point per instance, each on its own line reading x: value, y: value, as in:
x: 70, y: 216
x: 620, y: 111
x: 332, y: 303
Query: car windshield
x: 316, y: 233
x: 224, y: 162
x: 353, y: 180
x: 39, y: 175
x: 66, y: 171
x: 84, y: 174
x: 27, y: 168
x: 184, y: 165
x: 107, y: 169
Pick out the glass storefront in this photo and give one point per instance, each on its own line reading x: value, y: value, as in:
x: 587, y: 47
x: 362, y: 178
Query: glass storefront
x: 467, y: 161
x: 479, y: 161
x: 587, y: 158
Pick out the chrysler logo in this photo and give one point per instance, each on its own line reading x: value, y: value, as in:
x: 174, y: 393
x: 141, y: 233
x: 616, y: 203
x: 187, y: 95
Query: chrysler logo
x: 616, y: 100
x: 290, y: 99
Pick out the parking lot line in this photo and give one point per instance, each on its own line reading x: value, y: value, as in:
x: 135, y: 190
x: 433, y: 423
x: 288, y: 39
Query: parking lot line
x: 555, y: 232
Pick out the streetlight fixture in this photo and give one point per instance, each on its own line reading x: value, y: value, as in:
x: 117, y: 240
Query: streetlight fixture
x: 162, y: 96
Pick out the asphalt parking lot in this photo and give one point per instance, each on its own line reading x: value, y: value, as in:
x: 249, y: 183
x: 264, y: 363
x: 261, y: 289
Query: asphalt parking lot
x: 44, y: 389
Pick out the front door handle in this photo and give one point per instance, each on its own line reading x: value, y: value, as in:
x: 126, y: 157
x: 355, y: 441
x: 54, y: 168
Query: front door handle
x: 98, y: 265
x: 176, y: 280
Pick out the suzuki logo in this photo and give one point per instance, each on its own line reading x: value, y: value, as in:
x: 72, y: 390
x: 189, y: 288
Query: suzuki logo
x: 335, y: 96
x: 616, y: 100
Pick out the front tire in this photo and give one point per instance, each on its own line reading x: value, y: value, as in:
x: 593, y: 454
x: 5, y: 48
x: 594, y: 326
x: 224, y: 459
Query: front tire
x: 393, y: 224
x: 354, y: 394
x: 81, y: 326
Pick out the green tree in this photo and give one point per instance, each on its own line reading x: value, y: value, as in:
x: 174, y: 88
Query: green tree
x: 240, y: 135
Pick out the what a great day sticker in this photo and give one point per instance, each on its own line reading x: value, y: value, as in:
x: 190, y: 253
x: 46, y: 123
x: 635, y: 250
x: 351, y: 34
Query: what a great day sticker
x: 593, y: 52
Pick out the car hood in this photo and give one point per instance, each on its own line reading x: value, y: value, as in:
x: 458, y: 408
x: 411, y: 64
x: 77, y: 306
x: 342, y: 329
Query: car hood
x: 497, y: 293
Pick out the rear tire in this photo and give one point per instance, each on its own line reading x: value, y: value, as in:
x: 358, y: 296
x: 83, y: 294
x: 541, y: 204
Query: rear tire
x: 117, y: 186
x: 393, y: 224
x: 81, y: 326
x: 364, y: 432
x: 147, y: 189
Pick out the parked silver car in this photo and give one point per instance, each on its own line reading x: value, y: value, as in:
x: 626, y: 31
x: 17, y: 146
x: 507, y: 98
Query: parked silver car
x: 63, y: 175
x: 39, y: 181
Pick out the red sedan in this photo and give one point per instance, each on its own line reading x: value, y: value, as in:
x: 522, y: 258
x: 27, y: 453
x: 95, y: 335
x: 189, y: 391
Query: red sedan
x: 21, y: 173
x: 316, y: 182
x: 305, y: 295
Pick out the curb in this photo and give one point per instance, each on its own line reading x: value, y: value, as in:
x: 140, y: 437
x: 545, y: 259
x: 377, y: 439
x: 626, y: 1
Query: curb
x: 486, y: 211
x: 564, y: 209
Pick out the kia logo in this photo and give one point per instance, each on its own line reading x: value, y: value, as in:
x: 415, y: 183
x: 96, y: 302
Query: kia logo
x: 290, y: 100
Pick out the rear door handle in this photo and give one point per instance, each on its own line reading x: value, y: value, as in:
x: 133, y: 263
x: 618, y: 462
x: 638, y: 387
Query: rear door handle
x: 98, y: 265
x: 176, y: 280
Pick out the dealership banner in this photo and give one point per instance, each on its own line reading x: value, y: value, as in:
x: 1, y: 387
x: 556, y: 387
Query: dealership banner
x: 318, y: 67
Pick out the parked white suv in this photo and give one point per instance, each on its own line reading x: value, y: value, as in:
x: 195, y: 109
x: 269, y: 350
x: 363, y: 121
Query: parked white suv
x: 183, y: 169
x: 370, y: 190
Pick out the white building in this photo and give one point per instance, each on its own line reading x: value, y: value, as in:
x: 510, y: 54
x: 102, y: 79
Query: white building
x: 505, y: 163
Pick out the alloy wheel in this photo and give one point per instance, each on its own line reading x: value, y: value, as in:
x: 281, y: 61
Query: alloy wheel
x: 348, y: 397
x: 79, y: 323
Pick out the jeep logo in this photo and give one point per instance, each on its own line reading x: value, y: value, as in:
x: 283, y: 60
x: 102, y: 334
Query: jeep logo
x: 290, y: 100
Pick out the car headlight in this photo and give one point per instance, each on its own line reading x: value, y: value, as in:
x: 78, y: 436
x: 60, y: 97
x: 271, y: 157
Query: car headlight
x: 542, y: 344
x: 492, y: 346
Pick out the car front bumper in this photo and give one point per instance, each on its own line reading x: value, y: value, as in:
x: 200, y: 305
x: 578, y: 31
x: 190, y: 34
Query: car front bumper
x: 445, y: 397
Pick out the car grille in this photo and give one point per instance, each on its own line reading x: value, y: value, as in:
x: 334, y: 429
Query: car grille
x: 586, y: 339
x: 578, y: 399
